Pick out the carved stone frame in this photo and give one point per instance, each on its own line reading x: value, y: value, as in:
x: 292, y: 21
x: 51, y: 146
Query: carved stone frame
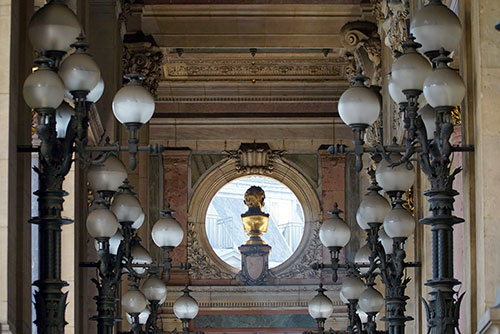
x: 208, y: 265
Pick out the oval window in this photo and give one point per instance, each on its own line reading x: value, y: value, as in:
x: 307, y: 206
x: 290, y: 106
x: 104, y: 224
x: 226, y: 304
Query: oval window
x: 225, y: 230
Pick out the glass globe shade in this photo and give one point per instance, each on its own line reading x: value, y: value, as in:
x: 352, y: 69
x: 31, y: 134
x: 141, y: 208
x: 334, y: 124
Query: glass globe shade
x: 107, y: 177
x: 54, y: 27
x: 359, y: 105
x: 79, y: 72
x: 363, y: 257
x: 139, y: 221
x: 444, y: 88
x: 428, y: 115
x: 397, y: 178
x: 371, y: 301
x: 126, y: 207
x: 186, y: 307
x: 342, y: 298
x: 435, y: 26
x: 167, y: 232
x: 133, y: 104
x: 63, y: 116
x: 397, y: 95
x: 334, y: 232
x: 154, y: 289
x: 95, y: 94
x: 134, y: 301
x: 143, y: 316
x: 43, y: 89
x: 410, y: 70
x: 399, y: 223
x: 140, y: 255
x: 374, y: 207
x: 102, y: 223
x: 386, y: 242
x: 320, y: 307
x: 352, y: 288
x: 361, y: 221
x: 362, y: 315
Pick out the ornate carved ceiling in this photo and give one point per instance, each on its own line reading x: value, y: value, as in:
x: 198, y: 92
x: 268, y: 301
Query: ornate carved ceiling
x: 242, y: 59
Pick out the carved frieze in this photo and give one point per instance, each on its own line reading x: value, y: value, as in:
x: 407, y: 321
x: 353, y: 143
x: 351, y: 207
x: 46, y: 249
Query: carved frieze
x: 146, y: 59
x: 182, y: 67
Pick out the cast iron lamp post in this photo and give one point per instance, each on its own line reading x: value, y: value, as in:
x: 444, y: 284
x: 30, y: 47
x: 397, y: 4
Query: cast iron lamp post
x: 383, y: 253
x: 426, y: 140
x: 62, y: 131
x: 114, y: 228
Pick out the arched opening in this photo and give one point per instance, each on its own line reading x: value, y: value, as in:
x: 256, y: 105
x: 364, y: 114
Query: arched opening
x: 223, y: 222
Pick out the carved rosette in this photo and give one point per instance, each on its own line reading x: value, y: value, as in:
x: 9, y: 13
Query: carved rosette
x: 145, y: 59
x: 254, y: 158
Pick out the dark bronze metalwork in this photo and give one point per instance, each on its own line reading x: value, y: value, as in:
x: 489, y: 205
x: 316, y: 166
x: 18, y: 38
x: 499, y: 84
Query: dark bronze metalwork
x: 434, y: 157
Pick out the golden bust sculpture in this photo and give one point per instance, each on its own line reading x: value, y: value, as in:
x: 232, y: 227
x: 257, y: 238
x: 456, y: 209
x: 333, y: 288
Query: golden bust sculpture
x: 255, y: 222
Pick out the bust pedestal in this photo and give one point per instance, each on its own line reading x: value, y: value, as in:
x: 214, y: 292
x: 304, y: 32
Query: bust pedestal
x: 254, y: 264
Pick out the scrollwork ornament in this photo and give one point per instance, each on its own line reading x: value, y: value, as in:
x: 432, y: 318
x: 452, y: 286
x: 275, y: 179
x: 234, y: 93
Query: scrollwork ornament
x: 145, y: 59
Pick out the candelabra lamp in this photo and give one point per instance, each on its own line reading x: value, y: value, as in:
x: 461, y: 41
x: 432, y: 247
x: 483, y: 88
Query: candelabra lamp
x: 113, y: 221
x: 436, y: 32
x: 54, y: 30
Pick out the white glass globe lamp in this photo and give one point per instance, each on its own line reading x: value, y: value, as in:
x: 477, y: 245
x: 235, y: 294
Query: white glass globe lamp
x: 43, y: 88
x: 352, y: 288
x: 186, y: 307
x: 107, y: 177
x: 101, y: 222
x: 154, y: 289
x: 444, y: 87
x: 320, y: 307
x: 133, y: 104
x: 435, y: 26
x: 334, y: 232
x: 54, y: 27
x: 359, y: 106
x: 79, y: 71
x: 399, y: 223
x: 133, y: 301
x: 167, y: 233
x: 371, y: 301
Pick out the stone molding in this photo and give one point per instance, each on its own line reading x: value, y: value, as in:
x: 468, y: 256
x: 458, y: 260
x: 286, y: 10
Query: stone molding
x: 252, y: 158
x: 208, y: 266
x: 489, y: 322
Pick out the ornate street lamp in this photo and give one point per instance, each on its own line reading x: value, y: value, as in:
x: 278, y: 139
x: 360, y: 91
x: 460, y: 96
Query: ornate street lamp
x: 54, y: 30
x: 427, y: 141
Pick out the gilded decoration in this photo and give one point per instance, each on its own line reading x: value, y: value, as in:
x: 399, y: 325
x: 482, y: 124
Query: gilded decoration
x: 255, y: 221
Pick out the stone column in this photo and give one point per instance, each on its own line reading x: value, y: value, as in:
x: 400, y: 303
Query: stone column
x: 483, y: 119
x: 15, y: 174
